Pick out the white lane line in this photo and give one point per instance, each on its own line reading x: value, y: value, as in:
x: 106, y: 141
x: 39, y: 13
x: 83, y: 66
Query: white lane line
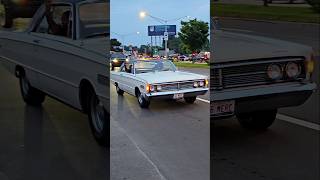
x: 237, y: 30
x: 300, y: 122
x: 204, y: 100
x: 140, y: 150
x: 292, y: 120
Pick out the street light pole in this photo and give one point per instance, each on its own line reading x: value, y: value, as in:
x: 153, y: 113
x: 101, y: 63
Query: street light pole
x: 143, y: 14
x: 166, y: 38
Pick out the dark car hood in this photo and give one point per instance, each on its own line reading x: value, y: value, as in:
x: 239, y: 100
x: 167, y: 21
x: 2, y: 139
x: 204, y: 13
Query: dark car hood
x: 228, y: 47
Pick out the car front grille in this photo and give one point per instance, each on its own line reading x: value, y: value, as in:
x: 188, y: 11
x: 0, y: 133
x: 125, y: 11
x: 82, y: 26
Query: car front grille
x: 248, y: 74
x: 176, y: 86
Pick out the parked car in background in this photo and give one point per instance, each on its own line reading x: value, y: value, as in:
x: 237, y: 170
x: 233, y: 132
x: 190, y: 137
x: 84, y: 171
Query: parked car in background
x: 183, y: 58
x: 116, y: 60
x: 19, y: 9
x: 150, y: 79
x: 253, y: 85
x: 69, y: 63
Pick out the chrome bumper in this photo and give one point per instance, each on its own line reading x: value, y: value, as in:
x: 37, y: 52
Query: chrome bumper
x: 197, y: 91
x: 238, y: 93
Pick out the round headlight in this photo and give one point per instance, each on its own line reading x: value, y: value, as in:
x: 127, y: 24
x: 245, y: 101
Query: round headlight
x: 201, y: 83
x: 159, y: 88
x: 151, y: 88
x: 274, y: 72
x: 293, y: 70
x: 195, y: 84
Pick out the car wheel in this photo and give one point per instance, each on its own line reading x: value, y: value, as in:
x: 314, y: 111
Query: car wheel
x: 119, y: 91
x: 143, y: 102
x: 30, y: 95
x: 190, y: 100
x: 98, y: 119
x: 8, y: 18
x: 258, y: 120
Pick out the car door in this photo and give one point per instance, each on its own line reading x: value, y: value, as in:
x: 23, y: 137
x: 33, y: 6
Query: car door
x: 57, y: 57
x: 122, y: 79
x: 17, y: 48
x: 129, y: 78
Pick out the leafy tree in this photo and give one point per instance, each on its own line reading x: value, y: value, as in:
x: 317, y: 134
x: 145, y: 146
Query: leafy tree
x: 193, y: 35
x: 115, y: 42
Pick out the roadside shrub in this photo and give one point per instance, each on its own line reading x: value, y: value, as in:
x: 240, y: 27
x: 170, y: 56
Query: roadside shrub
x: 315, y: 4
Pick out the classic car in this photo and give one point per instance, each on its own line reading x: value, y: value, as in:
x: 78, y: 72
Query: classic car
x: 252, y: 77
x: 71, y: 66
x: 149, y: 79
x: 116, y: 60
x: 19, y: 9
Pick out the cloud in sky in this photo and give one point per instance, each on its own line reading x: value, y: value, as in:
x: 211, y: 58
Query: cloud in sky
x: 125, y: 16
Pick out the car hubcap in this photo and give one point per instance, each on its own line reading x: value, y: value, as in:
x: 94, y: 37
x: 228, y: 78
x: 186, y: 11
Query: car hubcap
x: 97, y: 114
x: 140, y: 99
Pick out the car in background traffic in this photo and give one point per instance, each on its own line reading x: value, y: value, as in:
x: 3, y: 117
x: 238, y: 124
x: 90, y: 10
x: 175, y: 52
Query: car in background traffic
x: 117, y: 59
x: 183, y: 58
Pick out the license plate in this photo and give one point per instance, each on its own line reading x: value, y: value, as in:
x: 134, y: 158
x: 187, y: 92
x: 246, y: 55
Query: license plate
x: 222, y: 108
x: 178, y: 96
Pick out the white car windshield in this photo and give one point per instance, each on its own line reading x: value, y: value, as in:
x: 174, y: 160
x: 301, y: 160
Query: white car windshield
x: 153, y: 66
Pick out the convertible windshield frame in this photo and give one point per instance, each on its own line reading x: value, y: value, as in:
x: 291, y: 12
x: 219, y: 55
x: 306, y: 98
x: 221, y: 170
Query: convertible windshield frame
x: 171, y: 67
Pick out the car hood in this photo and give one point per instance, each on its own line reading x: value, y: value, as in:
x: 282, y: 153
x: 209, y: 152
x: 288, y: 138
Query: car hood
x: 228, y: 46
x: 168, y: 76
x: 97, y: 45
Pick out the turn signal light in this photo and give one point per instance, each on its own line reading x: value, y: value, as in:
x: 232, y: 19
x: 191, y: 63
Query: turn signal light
x: 206, y: 82
x: 148, y: 88
x: 309, y: 66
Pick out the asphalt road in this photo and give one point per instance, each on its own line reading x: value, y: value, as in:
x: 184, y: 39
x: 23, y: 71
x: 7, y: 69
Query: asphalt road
x: 170, y: 140
x: 286, y: 151
x: 49, y: 142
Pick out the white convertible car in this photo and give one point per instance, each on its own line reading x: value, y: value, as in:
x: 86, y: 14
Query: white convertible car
x: 64, y: 54
x: 148, y: 79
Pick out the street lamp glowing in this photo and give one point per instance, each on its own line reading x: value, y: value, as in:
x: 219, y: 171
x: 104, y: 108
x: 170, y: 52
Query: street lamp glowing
x: 142, y: 14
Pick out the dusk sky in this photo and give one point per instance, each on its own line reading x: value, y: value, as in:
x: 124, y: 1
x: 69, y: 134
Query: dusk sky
x: 125, y: 16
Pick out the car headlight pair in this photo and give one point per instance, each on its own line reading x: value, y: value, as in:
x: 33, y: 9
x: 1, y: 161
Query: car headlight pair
x: 200, y: 83
x: 276, y: 71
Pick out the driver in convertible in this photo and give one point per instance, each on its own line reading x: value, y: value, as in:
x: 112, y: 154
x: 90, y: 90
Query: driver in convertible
x: 62, y: 29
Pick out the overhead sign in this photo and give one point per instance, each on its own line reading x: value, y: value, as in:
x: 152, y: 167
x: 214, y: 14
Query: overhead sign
x: 159, y: 30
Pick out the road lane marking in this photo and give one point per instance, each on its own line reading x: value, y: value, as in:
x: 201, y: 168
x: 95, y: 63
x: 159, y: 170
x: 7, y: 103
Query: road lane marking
x: 203, y: 100
x: 237, y: 30
x: 300, y: 122
x: 286, y: 118
x: 140, y: 150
